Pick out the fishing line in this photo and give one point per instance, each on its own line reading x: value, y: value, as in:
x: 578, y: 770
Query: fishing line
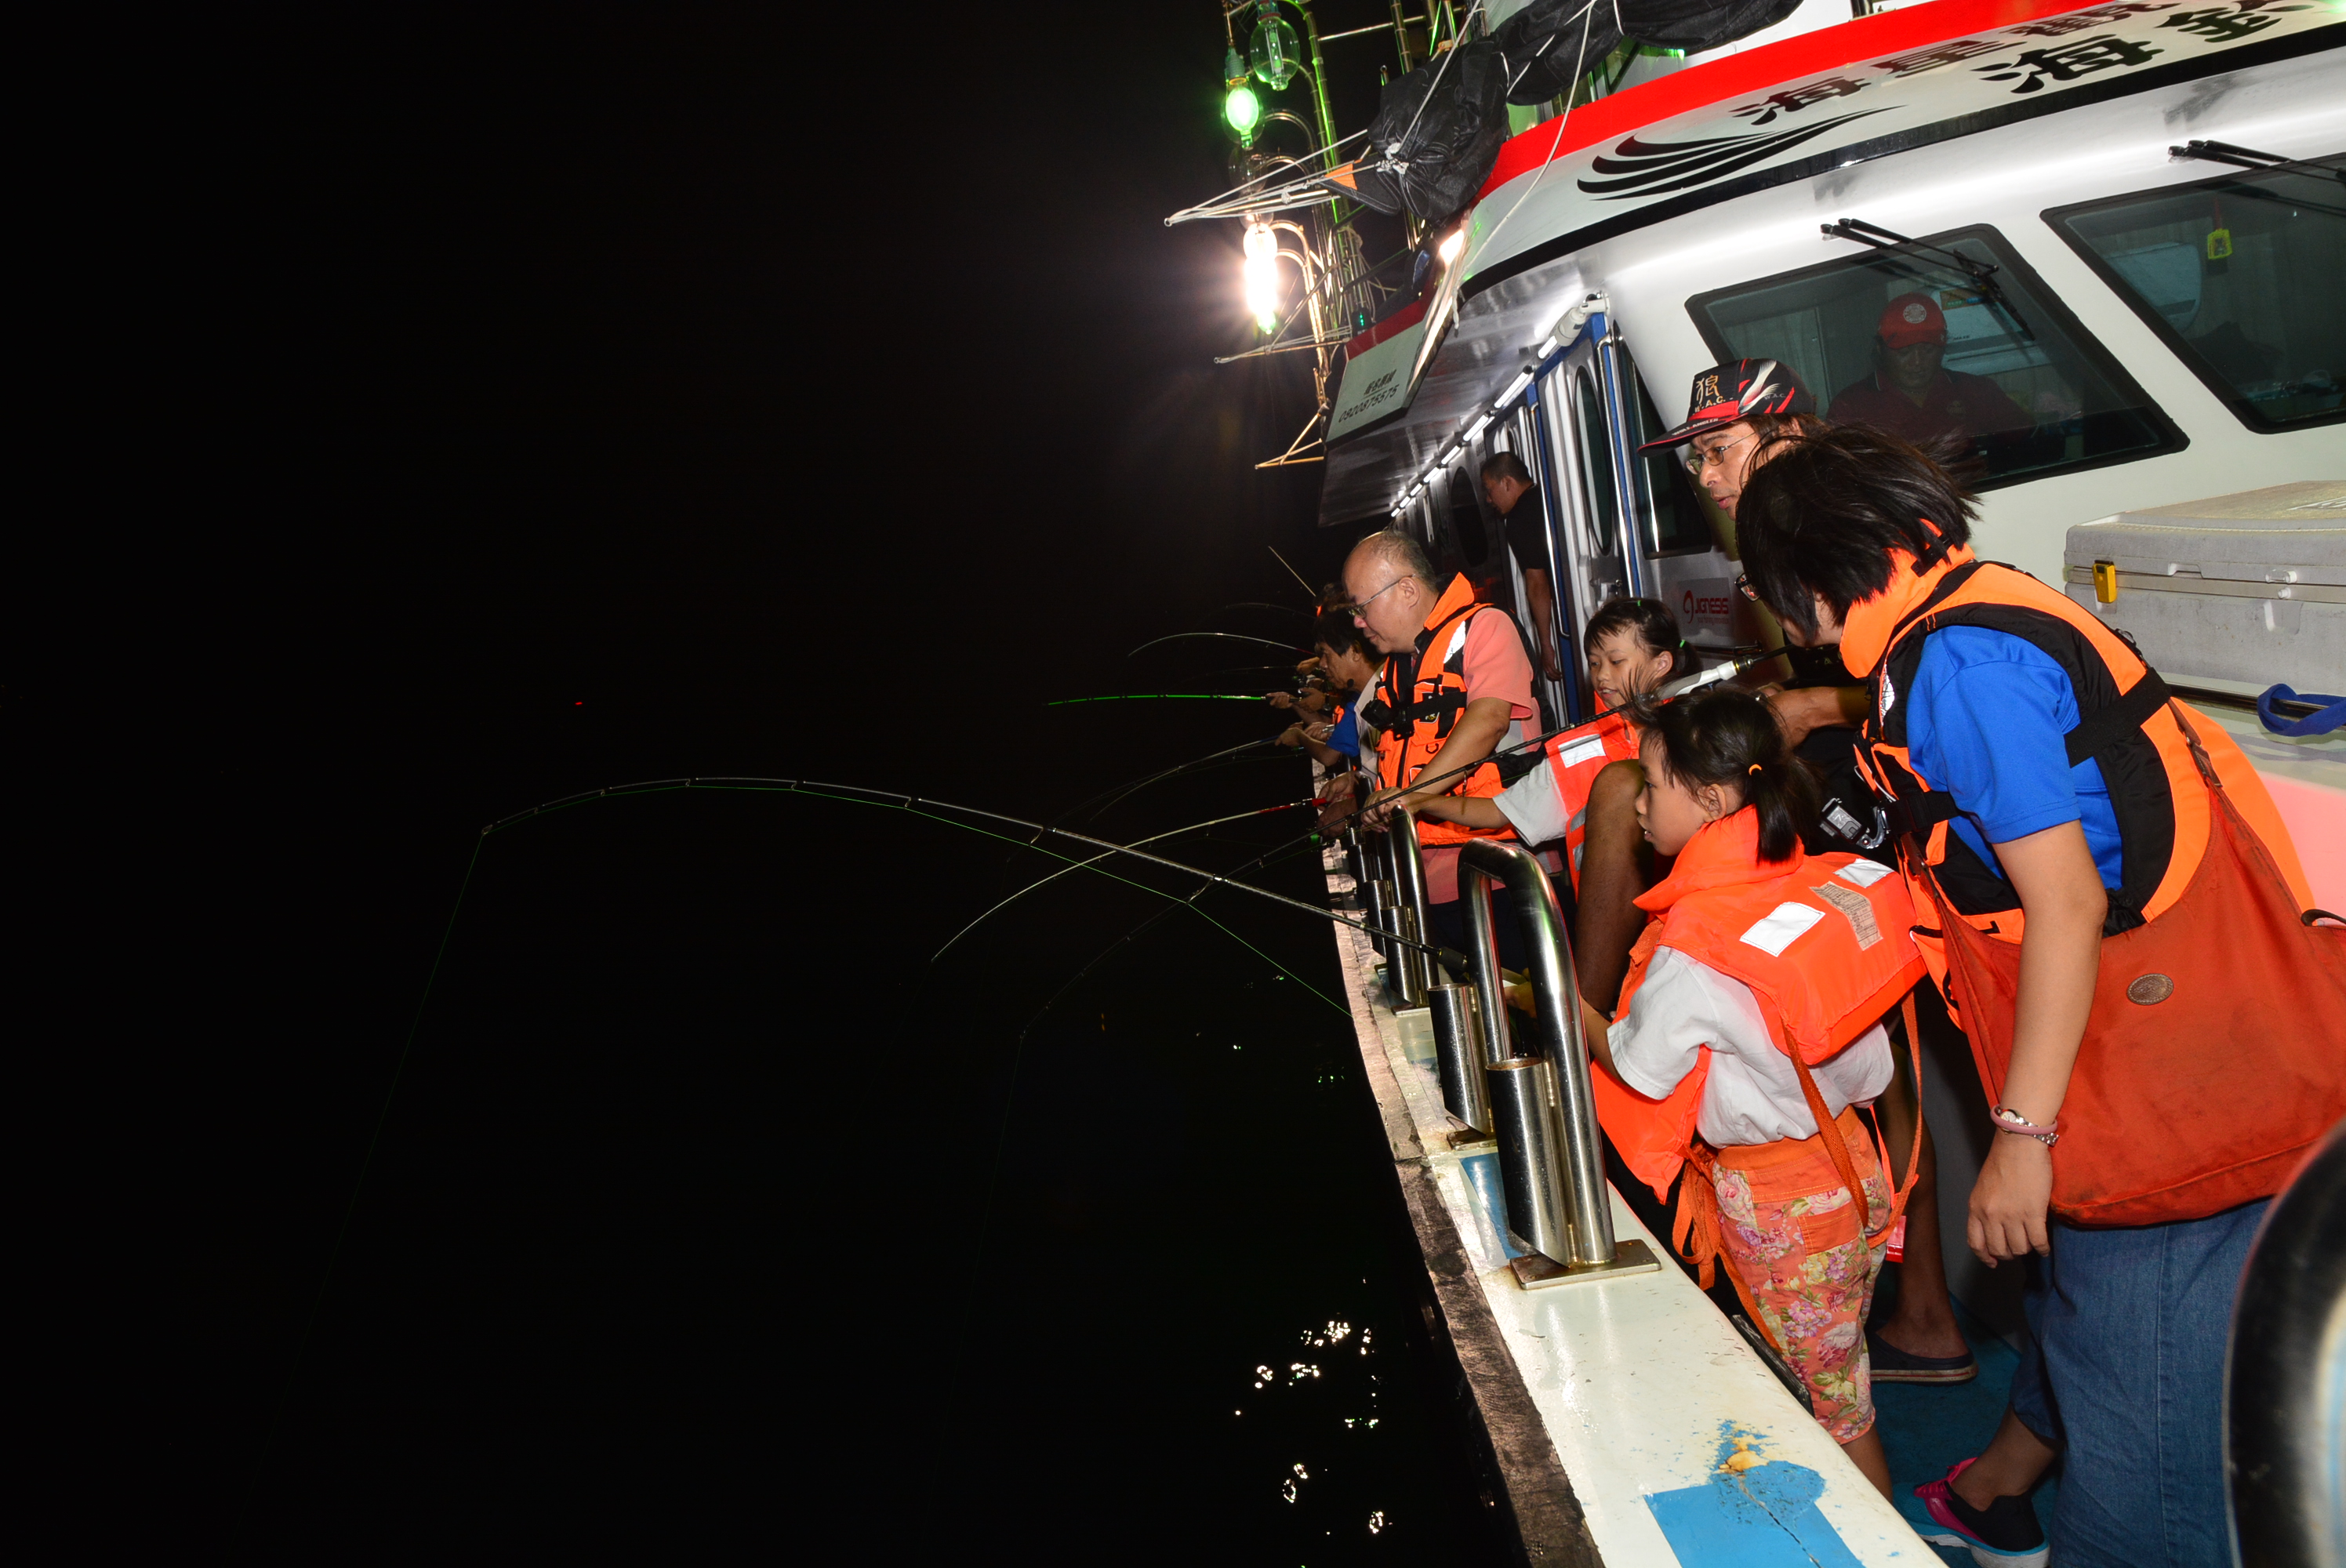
x: 1258, y: 605
x: 1107, y: 799
x: 358, y: 1187
x: 1054, y: 876
x: 1156, y: 697
x: 1234, y: 636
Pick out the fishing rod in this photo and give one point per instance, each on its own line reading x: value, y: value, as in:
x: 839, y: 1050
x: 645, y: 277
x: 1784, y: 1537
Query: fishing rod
x: 1234, y: 636
x: 1115, y: 792
x: 899, y: 800
x: 1669, y: 692
x: 1291, y: 571
x: 1156, y: 697
x: 1443, y: 956
x: 1079, y: 865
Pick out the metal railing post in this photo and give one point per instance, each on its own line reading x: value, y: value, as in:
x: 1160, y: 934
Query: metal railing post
x: 1458, y: 1055
x: 1414, y: 968
x: 1376, y: 905
x: 1547, y: 1119
x: 1482, y: 957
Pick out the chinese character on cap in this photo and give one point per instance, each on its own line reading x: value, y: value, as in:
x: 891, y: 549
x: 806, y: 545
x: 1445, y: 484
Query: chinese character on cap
x: 1729, y: 393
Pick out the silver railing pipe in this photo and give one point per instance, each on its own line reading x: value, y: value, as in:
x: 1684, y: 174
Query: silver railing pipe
x: 1377, y: 898
x: 1482, y: 960
x: 1416, y: 967
x: 2285, y: 1375
x: 1458, y: 1053
x: 1531, y: 1168
x: 1557, y: 995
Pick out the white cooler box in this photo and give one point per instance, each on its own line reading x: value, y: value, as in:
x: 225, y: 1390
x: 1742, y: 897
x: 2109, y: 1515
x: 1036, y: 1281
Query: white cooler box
x: 2243, y: 589
x: 2226, y: 597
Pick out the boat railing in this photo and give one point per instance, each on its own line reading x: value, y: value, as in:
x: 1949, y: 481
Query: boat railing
x: 1412, y: 968
x: 1544, y: 1110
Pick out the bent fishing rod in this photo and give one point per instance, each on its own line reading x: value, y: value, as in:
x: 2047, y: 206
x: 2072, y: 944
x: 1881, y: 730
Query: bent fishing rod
x: 1096, y: 859
x: 1669, y: 693
x: 902, y: 802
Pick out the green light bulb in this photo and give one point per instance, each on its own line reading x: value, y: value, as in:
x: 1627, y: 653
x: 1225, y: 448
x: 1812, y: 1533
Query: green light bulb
x: 1244, y: 111
x: 1275, y: 51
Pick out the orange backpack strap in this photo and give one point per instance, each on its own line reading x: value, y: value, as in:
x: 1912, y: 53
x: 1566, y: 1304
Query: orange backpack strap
x: 1837, y: 1148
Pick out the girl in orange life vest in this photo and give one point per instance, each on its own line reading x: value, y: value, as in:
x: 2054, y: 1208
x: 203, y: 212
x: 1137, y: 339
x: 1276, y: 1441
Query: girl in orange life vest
x: 2111, y: 906
x: 1750, y: 1030
x: 1586, y: 795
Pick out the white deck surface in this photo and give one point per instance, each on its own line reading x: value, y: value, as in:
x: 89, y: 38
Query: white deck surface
x: 1639, y: 1379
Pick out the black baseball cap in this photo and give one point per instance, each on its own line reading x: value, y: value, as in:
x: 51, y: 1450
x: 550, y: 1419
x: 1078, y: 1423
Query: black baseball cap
x: 1728, y: 394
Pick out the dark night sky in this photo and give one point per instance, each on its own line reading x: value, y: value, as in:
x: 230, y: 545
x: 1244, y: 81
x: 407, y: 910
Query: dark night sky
x: 496, y: 406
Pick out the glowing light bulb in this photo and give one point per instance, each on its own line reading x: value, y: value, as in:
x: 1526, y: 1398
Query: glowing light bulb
x: 1262, y: 276
x: 1244, y: 112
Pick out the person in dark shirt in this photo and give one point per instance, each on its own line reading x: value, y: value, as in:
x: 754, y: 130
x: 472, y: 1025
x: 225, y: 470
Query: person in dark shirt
x: 1911, y: 396
x: 1507, y: 485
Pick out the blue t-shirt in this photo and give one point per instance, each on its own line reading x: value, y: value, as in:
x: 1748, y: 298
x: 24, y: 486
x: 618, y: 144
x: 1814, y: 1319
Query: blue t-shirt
x: 1345, y: 737
x: 1984, y: 723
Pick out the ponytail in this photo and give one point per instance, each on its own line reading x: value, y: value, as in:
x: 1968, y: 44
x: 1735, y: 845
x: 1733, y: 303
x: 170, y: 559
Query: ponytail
x: 1724, y: 735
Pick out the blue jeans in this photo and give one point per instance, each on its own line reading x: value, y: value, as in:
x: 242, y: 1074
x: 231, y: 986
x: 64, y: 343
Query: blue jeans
x: 2124, y: 1370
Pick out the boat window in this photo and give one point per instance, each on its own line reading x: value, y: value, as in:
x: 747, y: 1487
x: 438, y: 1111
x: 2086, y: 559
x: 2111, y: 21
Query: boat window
x: 1667, y: 508
x: 1985, y: 358
x: 1596, y: 487
x: 1466, y: 516
x: 2239, y: 276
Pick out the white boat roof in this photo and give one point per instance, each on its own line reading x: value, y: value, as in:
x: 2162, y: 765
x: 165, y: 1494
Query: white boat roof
x: 1799, y: 110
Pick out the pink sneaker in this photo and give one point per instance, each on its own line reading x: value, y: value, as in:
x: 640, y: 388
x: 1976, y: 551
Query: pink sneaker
x: 2003, y: 1534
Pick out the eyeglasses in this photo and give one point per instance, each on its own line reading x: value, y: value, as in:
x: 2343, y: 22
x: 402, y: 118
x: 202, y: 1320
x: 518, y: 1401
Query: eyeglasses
x: 1389, y: 588
x: 1698, y: 459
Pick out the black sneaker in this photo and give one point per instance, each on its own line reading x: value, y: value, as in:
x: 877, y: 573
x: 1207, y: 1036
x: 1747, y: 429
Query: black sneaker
x: 2003, y: 1534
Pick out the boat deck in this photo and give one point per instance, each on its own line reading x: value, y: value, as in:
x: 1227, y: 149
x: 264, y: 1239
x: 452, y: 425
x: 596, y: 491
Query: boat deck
x: 1628, y: 1422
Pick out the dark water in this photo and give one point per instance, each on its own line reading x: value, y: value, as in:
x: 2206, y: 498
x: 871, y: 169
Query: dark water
x: 707, y: 1210
x: 587, y: 396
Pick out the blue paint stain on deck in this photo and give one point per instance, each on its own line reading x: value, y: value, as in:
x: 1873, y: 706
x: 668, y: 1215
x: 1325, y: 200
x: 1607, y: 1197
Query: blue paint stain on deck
x: 1483, y: 1176
x: 1761, y: 1517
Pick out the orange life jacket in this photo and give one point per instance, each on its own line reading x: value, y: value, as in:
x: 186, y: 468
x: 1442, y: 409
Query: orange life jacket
x: 2123, y: 723
x: 1423, y: 721
x: 1577, y: 757
x: 1824, y: 943
x: 2212, y: 1056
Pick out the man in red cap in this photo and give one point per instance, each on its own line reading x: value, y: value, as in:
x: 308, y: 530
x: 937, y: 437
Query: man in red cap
x: 1911, y: 396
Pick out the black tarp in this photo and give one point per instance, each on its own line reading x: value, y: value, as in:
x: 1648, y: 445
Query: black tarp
x: 1544, y: 41
x: 1438, y: 129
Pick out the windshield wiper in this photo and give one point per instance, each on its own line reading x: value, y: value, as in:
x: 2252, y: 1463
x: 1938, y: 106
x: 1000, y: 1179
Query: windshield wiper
x: 1983, y: 273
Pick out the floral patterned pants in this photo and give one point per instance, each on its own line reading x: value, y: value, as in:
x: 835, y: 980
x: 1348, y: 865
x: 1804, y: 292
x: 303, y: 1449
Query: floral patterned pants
x: 1791, y: 1233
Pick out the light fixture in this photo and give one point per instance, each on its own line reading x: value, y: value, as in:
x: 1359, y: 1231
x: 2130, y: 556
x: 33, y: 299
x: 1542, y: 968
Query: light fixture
x: 1474, y: 432
x: 1262, y: 275
x: 1452, y: 244
x: 1517, y: 386
x: 1274, y: 51
x: 1243, y: 110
